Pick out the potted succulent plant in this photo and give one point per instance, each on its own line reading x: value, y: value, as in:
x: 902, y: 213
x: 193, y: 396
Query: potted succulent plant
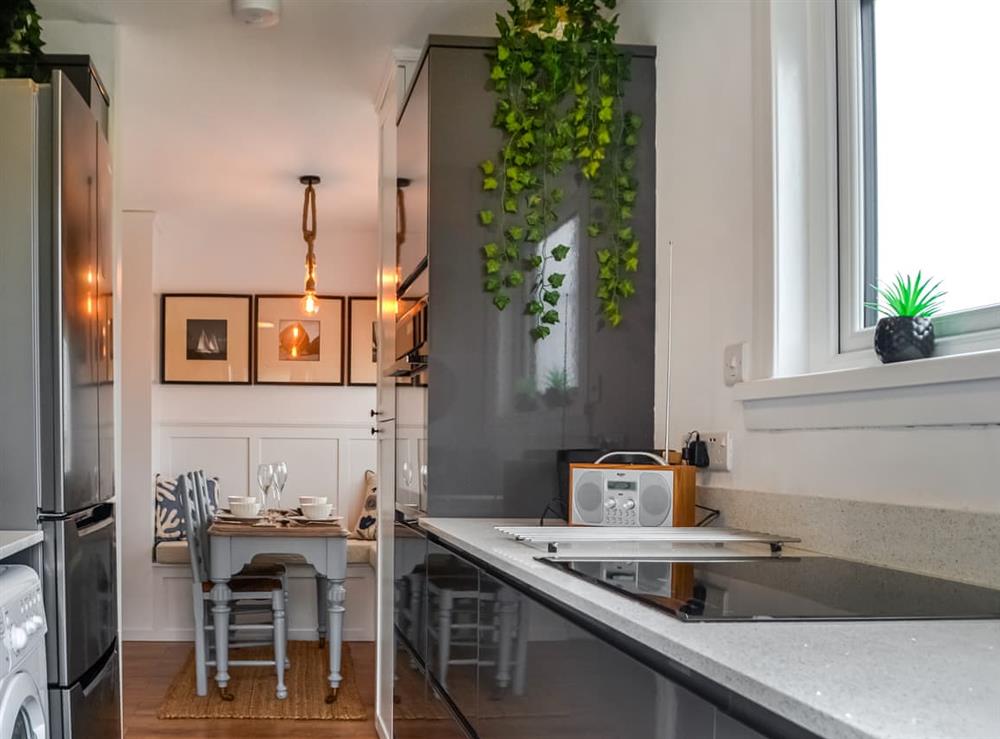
x: 558, y: 392
x: 906, y: 331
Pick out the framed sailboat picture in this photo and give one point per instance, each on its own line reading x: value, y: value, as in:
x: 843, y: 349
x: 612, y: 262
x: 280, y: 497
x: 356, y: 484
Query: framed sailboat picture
x: 205, y: 339
x: 299, y: 348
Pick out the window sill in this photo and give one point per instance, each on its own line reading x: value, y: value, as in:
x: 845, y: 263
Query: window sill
x: 950, y: 390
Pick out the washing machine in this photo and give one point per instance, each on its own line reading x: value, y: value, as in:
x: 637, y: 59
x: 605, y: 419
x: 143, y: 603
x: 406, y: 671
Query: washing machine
x: 23, y: 686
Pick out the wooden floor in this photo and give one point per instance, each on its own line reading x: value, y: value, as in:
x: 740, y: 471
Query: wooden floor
x: 149, y: 668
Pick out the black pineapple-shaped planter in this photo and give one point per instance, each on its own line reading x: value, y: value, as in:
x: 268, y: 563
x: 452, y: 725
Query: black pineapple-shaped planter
x: 901, y: 338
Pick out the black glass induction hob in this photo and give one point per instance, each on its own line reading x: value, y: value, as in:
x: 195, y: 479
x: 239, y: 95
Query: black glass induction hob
x: 782, y: 588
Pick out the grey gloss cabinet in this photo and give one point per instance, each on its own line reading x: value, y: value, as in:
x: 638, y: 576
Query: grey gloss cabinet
x: 499, y: 405
x: 514, y: 668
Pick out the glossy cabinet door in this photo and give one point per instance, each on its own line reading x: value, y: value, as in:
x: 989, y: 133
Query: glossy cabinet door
x: 409, y: 576
x: 452, y: 593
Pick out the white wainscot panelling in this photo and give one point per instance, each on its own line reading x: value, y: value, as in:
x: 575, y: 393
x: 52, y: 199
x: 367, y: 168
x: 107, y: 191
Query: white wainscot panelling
x: 313, y: 466
x: 220, y: 454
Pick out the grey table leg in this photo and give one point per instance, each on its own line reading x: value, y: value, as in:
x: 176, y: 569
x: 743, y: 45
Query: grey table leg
x: 322, y: 604
x: 221, y: 596
x: 280, y: 644
x: 335, y: 617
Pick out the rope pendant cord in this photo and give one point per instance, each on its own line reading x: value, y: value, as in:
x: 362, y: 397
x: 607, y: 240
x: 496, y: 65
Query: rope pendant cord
x: 309, y: 234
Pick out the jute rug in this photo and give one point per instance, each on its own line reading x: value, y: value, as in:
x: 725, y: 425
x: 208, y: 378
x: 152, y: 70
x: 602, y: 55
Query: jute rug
x: 414, y: 700
x: 254, y: 689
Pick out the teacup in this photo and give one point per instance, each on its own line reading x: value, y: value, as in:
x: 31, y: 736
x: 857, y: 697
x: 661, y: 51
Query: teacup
x: 233, y: 499
x: 245, y: 510
x: 311, y: 500
x: 317, y: 511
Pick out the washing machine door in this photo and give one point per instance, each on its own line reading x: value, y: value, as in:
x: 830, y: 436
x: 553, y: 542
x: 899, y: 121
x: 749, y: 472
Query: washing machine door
x: 21, y: 713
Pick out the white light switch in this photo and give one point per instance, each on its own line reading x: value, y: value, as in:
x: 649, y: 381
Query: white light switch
x: 732, y: 363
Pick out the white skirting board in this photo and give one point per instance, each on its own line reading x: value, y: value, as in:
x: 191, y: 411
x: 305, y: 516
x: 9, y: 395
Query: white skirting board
x: 172, y: 620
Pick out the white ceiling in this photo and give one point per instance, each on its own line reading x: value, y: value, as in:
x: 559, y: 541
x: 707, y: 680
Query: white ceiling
x: 217, y: 120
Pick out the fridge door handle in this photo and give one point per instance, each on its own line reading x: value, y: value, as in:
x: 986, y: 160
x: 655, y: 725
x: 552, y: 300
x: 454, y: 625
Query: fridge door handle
x: 94, y: 528
x: 100, y: 677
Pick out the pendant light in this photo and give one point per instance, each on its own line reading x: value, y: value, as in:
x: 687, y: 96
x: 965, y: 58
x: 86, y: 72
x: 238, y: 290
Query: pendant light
x: 310, y: 305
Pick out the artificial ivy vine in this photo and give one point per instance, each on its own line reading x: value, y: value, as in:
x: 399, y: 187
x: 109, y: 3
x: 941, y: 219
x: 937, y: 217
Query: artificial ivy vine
x: 559, y: 81
x: 20, y: 34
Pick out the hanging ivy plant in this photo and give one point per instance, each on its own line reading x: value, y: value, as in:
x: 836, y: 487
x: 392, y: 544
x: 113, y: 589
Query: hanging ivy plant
x: 559, y: 82
x: 20, y: 34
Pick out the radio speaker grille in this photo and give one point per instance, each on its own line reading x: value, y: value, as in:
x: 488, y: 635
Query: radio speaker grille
x: 587, y: 497
x: 655, y: 497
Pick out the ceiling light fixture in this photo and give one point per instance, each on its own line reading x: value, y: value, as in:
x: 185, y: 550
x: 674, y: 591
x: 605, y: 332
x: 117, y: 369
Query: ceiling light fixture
x: 310, y: 305
x: 258, y: 13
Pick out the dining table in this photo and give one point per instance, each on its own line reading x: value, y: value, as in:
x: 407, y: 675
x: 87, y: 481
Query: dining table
x: 235, y: 544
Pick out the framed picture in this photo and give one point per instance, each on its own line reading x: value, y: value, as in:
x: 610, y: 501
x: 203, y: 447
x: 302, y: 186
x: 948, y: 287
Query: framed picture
x: 296, y: 348
x: 361, y: 318
x: 205, y: 339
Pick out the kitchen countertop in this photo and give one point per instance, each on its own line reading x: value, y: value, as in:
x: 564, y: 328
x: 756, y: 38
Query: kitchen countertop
x: 842, y: 680
x: 12, y: 542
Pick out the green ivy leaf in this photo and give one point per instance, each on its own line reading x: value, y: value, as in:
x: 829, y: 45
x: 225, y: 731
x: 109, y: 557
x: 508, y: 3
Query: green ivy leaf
x: 594, y: 230
x: 503, y: 53
x: 486, y: 217
x: 534, y: 234
x: 606, y: 115
x: 539, y: 332
x: 510, y: 205
x: 550, y: 296
x: 534, y: 308
x: 632, y: 249
x: 514, y: 279
x: 633, y: 121
x: 492, y: 266
x: 515, y: 233
x: 489, y: 183
x: 497, y: 73
x: 625, y: 288
x: 556, y: 279
x: 487, y: 166
x: 603, y: 135
x: 625, y: 233
x: 557, y: 195
x: 491, y: 250
x: 603, y: 255
x: 511, y: 252
x: 627, y: 196
x: 533, y: 262
x: 625, y: 213
x: 501, y: 301
x: 632, y: 264
x: 631, y: 139
x: 527, y: 68
x: 559, y: 253
x: 491, y: 284
x: 550, y: 317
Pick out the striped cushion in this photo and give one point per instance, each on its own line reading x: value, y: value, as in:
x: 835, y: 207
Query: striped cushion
x: 169, y: 514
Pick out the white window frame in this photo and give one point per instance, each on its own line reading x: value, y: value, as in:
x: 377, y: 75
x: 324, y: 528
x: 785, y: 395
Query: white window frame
x: 961, y: 332
x: 800, y: 375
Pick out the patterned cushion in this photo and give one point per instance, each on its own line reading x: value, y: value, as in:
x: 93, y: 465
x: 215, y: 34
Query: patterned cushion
x: 169, y: 515
x: 368, y: 520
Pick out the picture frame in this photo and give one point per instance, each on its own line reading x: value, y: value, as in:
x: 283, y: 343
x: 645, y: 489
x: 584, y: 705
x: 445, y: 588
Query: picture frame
x: 205, y: 339
x: 362, y: 369
x: 293, y: 348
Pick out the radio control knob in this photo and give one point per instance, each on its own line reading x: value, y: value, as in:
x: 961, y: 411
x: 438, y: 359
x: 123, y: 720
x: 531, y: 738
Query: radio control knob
x: 609, y: 503
x: 18, y: 638
x: 628, y: 505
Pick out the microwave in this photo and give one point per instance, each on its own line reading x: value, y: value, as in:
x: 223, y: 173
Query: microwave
x: 412, y: 343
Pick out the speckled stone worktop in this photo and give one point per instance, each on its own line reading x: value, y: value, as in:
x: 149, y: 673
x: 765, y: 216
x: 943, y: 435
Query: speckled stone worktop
x: 905, y: 680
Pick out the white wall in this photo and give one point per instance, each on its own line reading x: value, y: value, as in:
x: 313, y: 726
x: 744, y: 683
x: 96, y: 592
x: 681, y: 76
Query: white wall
x: 705, y: 141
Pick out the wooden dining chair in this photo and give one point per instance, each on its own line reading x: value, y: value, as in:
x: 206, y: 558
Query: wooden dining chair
x: 253, y: 596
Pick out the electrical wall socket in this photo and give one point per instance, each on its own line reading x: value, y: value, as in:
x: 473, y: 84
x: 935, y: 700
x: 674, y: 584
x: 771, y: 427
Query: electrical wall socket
x: 720, y: 450
x: 733, y: 361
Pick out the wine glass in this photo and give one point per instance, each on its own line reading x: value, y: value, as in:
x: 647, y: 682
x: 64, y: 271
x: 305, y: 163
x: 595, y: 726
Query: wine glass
x: 279, y: 480
x: 265, y: 480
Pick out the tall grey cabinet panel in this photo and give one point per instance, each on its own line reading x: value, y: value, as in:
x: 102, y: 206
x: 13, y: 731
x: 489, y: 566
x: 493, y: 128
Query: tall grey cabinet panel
x: 499, y: 405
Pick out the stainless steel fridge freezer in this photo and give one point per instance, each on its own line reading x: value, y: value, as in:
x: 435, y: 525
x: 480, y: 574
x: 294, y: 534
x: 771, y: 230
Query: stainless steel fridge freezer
x: 56, y: 362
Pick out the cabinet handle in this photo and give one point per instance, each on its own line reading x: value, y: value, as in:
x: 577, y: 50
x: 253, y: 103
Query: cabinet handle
x: 375, y: 413
x: 375, y: 430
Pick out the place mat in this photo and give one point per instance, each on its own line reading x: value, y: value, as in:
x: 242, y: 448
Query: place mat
x: 231, y: 528
x: 254, y: 689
